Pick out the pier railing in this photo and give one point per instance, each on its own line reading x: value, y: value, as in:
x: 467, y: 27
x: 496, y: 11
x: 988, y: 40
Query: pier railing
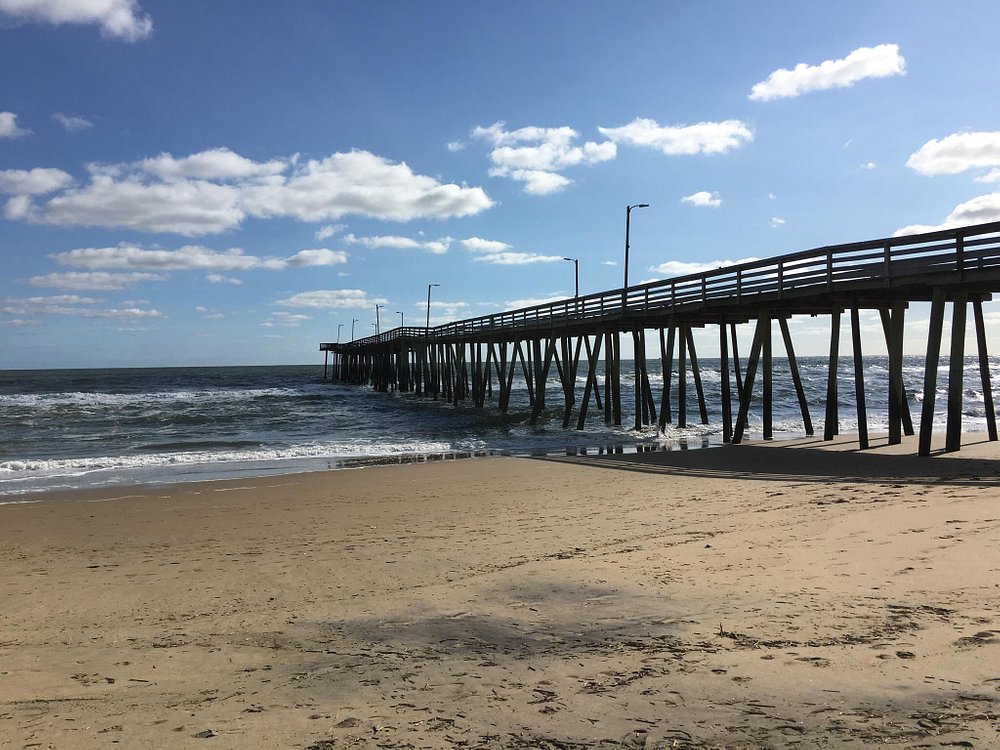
x: 964, y: 254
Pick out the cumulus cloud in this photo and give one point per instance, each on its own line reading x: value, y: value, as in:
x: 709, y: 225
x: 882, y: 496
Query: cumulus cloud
x: 218, y: 278
x: 9, y: 127
x: 69, y: 304
x: 479, y: 245
x: 72, y: 123
x: 93, y: 281
x: 456, y: 146
x: 120, y: 19
x: 325, y: 233
x: 957, y: 153
x: 517, y: 304
x: 516, y: 259
x: 332, y: 298
x: 674, y: 268
x: 703, y: 198
x: 190, y: 258
x: 776, y: 222
x: 216, y: 190
x: 37, y: 181
x: 679, y: 140
x: 395, y: 242
x: 536, y: 155
x: 286, y: 319
x: 979, y: 210
x: 864, y: 62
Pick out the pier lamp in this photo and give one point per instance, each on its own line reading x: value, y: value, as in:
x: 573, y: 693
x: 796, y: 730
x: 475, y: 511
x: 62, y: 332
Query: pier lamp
x: 576, y: 274
x: 376, y: 319
x: 339, y: 326
x: 429, y: 305
x: 353, y: 321
x: 628, y: 220
x: 400, y: 318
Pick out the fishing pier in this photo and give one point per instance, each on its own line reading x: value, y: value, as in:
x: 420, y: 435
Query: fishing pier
x: 479, y: 358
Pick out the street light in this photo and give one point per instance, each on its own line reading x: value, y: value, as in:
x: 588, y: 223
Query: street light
x: 628, y: 218
x: 339, y: 326
x: 353, y: 321
x: 576, y: 274
x: 376, y: 318
x: 400, y: 318
x: 429, y: 305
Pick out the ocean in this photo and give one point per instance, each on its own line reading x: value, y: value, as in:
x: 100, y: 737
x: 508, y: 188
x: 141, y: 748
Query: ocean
x: 68, y: 429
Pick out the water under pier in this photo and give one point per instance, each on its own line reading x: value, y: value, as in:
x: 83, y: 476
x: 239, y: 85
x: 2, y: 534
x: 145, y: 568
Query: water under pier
x: 479, y: 358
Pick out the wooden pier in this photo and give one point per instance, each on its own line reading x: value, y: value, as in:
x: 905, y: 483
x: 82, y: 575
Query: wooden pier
x: 478, y: 359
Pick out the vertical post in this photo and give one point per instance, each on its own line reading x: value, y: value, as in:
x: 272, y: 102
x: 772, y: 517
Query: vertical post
x: 956, y: 374
x: 736, y: 361
x: 593, y: 356
x: 727, y: 404
x: 894, y: 344
x: 765, y: 321
x: 608, y: 377
x: 930, y: 370
x: 637, y: 376
x: 667, y: 364
x: 859, y: 378
x: 832, y: 428
x: 696, y: 374
x: 984, y: 368
x: 616, y: 385
x: 682, y: 375
x: 649, y: 410
x: 744, y: 414
x: 326, y: 361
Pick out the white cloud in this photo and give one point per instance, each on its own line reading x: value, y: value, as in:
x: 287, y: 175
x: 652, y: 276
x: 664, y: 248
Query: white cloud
x: 216, y: 190
x: 70, y: 304
x: 209, y: 314
x: 864, y: 62
x: 325, y: 233
x: 22, y: 322
x: 213, y: 164
x: 37, y: 181
x: 674, y: 268
x: 288, y: 320
x: 479, y: 245
x: 979, y: 210
x: 394, y: 242
x: 957, y: 153
x: 870, y: 165
x: 456, y: 146
x: 364, y: 184
x: 536, y: 155
x: 517, y: 304
x: 674, y: 140
x: 94, y: 281
x: 609, y: 262
x: 776, y: 222
x: 516, y: 259
x: 72, y: 123
x: 190, y: 258
x: 332, y: 298
x: 121, y: 19
x: 8, y: 124
x: 317, y: 257
x: 218, y: 278
x: 703, y: 198
x: 992, y: 176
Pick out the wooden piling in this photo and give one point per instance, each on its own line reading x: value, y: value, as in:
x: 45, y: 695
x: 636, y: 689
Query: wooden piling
x: 956, y: 374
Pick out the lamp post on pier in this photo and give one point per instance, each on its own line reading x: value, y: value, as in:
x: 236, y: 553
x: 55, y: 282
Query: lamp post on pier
x: 339, y: 326
x: 400, y: 318
x: 377, y: 306
x: 353, y: 321
x: 428, y: 326
x: 628, y: 220
x: 576, y: 274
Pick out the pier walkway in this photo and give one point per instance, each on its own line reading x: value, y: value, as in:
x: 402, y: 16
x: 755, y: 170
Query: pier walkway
x: 462, y: 360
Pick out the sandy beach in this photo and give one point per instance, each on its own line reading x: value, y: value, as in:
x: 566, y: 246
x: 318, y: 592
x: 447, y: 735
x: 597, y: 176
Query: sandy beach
x: 769, y: 595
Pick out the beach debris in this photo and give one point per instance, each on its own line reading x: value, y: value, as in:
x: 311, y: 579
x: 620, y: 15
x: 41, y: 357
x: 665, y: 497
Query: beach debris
x: 205, y: 734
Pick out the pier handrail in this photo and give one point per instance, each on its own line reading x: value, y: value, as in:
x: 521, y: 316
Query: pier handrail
x: 886, y: 261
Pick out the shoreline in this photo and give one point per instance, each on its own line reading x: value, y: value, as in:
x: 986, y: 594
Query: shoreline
x: 751, y: 596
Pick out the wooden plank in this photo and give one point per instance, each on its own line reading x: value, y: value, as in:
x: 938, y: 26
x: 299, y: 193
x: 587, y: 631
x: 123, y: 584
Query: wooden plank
x: 793, y: 365
x: 859, y: 378
x: 956, y: 374
x: 984, y: 369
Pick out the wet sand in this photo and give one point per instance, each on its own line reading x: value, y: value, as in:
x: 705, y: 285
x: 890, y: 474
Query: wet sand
x: 769, y: 595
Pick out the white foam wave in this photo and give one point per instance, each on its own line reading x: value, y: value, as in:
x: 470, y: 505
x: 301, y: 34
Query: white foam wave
x: 86, y: 399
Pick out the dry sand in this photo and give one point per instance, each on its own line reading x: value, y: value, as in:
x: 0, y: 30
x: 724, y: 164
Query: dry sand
x: 760, y: 596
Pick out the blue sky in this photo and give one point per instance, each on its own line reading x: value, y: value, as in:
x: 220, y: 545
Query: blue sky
x: 188, y: 183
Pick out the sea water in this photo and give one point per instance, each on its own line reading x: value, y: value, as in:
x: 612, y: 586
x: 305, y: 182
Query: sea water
x: 64, y: 429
